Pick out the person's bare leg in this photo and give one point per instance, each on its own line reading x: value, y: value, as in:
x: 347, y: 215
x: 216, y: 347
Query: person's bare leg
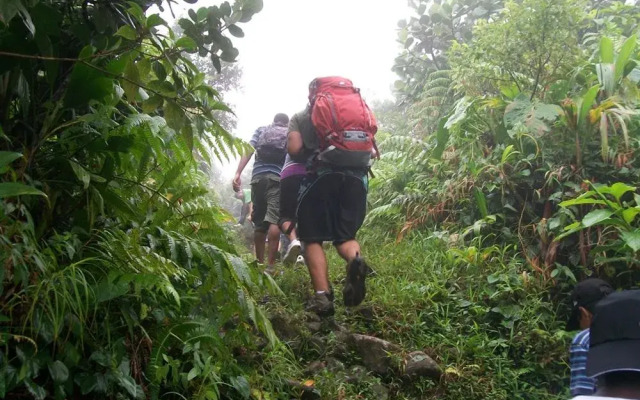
x: 317, y: 264
x: 258, y: 242
x: 348, y: 250
x: 274, y: 242
x: 291, y: 235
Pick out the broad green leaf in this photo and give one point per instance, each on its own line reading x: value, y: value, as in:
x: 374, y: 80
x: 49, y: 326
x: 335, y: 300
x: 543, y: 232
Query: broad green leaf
x: 508, y: 152
x: 81, y: 173
x: 241, y: 385
x: 36, y: 391
x: 58, y: 371
x: 618, y: 189
x: 595, y: 217
x: 129, y: 84
x: 623, y: 56
x: 569, y: 230
x: 606, y: 50
x: 535, y: 116
x: 144, y: 69
x: 236, y: 31
x: 632, y: 239
x: 163, y: 88
x: 577, y: 202
x: 152, y: 104
x: 229, y: 55
x: 195, y: 371
x: 7, y: 157
x: 127, y: 32
x: 159, y: 70
x: 187, y: 133
x: 629, y: 214
x: 459, y: 113
x: 130, y: 386
x: 10, y: 8
x: 87, y: 83
x: 215, y: 60
x: 585, y: 103
x: 442, y: 138
x: 174, y: 115
x: 604, y: 137
x: 187, y: 43
x: 607, y: 77
x: 249, y: 8
x: 113, y: 200
x: 12, y: 189
x: 481, y: 202
x: 155, y: 20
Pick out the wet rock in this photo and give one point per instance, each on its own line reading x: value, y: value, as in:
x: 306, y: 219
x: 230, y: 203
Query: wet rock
x: 356, y: 374
x: 380, y: 391
x: 314, y: 367
x: 366, y: 313
x: 317, y: 344
x: 332, y: 325
x: 340, y: 347
x: 334, y: 365
x: 286, y: 328
x: 417, y: 364
x: 377, y: 354
x: 312, y: 317
x: 314, y: 327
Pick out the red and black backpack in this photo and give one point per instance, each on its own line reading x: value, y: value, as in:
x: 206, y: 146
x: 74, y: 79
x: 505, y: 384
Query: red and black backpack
x: 343, y: 122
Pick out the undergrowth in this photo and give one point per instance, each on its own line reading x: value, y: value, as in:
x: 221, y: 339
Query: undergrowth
x: 491, y: 325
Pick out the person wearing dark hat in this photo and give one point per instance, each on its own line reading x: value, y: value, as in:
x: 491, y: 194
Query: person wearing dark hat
x: 585, y: 296
x: 614, y: 349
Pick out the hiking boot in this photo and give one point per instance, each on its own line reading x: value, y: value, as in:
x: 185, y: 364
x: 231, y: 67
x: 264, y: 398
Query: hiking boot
x: 354, y: 288
x: 321, y: 304
x: 293, y: 251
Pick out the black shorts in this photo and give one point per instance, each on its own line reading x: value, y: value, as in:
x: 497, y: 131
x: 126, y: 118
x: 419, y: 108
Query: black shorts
x: 332, y: 207
x: 289, y: 192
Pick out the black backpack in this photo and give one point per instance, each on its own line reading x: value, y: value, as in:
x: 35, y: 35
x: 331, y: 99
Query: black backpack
x: 271, y: 145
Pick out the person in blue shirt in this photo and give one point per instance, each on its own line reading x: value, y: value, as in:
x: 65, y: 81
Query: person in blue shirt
x: 269, y: 144
x: 614, y: 346
x: 585, y: 296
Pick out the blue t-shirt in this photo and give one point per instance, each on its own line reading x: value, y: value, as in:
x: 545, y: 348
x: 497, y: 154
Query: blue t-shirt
x: 580, y: 383
x: 260, y: 167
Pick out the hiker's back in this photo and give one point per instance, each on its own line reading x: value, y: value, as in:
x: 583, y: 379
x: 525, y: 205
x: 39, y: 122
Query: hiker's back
x: 343, y: 122
x: 271, y: 144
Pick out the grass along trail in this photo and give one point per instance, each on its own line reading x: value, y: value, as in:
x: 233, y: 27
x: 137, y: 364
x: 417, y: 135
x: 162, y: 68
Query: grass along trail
x: 481, y: 316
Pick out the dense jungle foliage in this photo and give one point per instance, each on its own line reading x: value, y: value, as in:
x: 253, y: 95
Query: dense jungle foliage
x: 509, y: 171
x: 118, y: 278
x: 502, y: 119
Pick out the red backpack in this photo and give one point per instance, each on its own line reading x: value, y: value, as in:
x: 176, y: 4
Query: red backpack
x: 343, y: 122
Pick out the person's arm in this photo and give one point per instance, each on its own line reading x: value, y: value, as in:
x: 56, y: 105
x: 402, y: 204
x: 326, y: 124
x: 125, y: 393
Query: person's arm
x: 294, y: 143
x: 580, y: 383
x: 237, y: 182
x: 244, y: 160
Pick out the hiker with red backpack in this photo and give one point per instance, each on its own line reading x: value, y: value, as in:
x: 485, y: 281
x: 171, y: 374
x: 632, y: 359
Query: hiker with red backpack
x: 335, y: 133
x: 269, y: 143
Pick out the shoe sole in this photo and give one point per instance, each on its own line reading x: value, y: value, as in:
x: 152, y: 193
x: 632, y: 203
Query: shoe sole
x: 292, y: 255
x: 355, y: 289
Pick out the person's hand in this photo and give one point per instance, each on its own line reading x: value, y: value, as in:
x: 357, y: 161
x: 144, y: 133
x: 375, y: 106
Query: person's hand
x: 237, y: 183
